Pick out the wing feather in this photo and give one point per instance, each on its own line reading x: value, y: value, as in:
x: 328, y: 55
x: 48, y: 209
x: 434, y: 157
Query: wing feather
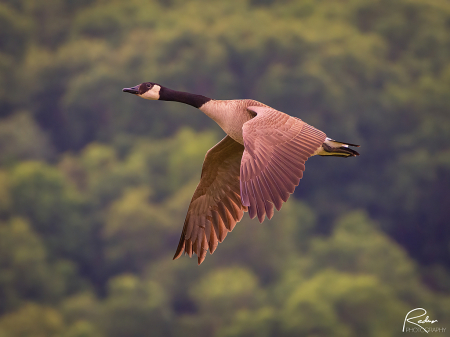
x: 219, y: 227
x: 276, y: 149
x: 216, y: 206
x: 213, y: 241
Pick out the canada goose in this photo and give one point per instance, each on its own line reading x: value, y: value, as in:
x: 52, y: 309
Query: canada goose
x: 254, y: 168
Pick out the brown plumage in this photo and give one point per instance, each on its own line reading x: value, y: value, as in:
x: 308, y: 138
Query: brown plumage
x: 254, y: 168
x: 216, y: 206
x: 276, y: 149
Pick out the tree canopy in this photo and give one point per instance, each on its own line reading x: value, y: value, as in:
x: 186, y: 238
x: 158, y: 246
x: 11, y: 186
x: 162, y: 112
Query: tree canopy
x: 95, y: 184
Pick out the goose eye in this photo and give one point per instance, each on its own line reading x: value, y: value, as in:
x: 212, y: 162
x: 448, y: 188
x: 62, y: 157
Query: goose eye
x: 148, y: 85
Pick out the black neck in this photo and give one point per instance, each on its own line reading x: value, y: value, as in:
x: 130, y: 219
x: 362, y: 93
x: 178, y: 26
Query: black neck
x: 197, y: 101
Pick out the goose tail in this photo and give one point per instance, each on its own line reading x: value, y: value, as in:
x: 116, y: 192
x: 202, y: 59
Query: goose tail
x: 334, y: 148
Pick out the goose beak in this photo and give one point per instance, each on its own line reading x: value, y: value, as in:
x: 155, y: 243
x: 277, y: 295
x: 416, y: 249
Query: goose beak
x: 132, y: 90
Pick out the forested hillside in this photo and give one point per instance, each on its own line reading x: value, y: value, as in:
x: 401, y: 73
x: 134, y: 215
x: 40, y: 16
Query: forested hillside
x: 95, y: 184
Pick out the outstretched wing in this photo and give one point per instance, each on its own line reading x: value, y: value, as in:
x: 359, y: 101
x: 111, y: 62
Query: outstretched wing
x: 276, y: 149
x: 216, y: 205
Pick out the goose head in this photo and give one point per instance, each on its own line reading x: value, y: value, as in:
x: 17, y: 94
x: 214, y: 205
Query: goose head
x: 147, y: 90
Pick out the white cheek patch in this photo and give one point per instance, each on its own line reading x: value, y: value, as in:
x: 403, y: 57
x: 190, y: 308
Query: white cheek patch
x: 152, y: 94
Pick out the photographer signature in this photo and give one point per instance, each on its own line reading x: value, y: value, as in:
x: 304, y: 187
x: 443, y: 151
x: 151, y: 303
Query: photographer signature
x: 421, y: 321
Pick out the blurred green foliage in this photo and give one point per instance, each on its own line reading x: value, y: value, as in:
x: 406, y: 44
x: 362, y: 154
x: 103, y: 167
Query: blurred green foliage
x: 94, y: 184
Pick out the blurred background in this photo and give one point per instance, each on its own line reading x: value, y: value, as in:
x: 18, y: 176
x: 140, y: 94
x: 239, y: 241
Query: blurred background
x: 95, y: 184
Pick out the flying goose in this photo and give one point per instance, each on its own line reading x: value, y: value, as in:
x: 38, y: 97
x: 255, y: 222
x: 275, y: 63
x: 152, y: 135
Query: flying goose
x: 254, y: 168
